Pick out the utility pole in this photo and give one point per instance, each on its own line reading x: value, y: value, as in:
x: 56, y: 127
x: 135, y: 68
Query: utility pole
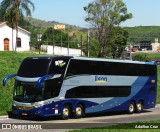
x: 68, y: 44
x: 130, y: 52
x: 61, y: 38
x: 53, y: 41
x: 88, y: 43
x: 81, y: 43
x: 39, y: 36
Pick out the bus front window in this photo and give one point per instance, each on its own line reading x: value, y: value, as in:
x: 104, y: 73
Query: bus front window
x: 26, y: 92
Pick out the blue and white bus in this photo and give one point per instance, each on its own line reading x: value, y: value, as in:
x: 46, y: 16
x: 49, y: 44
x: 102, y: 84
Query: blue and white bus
x: 75, y: 86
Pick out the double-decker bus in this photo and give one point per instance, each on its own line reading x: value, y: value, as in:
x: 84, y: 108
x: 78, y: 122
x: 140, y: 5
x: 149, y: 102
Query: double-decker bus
x: 75, y: 86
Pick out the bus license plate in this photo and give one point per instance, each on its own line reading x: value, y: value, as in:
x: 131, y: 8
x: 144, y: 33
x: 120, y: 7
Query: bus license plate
x: 24, y: 114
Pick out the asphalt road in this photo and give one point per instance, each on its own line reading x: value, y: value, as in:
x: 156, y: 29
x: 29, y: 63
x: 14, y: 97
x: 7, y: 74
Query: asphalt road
x: 90, y: 121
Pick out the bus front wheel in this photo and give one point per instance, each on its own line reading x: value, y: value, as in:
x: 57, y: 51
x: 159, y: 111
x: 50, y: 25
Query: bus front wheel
x: 131, y: 108
x: 65, y: 112
x: 79, y: 111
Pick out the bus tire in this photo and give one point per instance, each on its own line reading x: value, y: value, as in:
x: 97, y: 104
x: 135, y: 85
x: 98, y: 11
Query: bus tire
x: 66, y: 110
x: 79, y: 111
x: 131, y: 108
x: 139, y: 107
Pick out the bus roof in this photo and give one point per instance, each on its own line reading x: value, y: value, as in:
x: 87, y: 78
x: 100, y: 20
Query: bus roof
x: 49, y: 57
x: 90, y: 59
x: 113, y: 60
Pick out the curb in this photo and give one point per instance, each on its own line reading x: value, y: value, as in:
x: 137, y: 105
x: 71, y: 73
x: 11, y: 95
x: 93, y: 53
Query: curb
x: 3, y: 117
x: 157, y: 105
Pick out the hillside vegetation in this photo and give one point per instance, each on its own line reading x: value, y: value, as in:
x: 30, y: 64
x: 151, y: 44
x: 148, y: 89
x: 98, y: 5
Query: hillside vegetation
x: 45, y: 24
x: 37, y: 26
x: 137, y: 31
x: 143, y: 33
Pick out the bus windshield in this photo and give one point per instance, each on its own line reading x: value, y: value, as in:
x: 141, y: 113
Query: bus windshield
x: 34, y: 67
x: 27, y: 92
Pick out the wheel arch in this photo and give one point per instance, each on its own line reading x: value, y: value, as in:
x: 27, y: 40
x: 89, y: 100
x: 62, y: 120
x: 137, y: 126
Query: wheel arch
x: 134, y: 101
x: 81, y: 103
x: 140, y: 100
x: 67, y: 103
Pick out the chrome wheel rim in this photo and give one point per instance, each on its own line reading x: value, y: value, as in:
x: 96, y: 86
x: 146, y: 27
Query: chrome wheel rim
x: 131, y: 108
x: 65, y: 111
x: 139, y: 107
x: 78, y: 111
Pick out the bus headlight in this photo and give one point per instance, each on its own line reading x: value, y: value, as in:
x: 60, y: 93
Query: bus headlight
x: 38, y: 105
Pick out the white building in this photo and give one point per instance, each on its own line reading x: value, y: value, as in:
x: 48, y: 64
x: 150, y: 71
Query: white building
x: 7, y: 39
x: 156, y: 46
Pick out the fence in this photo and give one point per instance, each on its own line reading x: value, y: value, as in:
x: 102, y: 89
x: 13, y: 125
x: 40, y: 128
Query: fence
x: 61, y: 50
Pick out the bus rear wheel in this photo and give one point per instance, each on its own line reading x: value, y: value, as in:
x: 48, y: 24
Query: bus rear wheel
x: 131, y: 108
x: 65, y: 112
x: 79, y: 111
x: 139, y: 107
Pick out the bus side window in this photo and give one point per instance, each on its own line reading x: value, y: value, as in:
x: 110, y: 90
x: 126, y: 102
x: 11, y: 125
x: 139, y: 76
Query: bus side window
x: 58, y: 67
x: 108, y: 68
x: 71, y: 68
x: 76, y: 67
x: 93, y: 67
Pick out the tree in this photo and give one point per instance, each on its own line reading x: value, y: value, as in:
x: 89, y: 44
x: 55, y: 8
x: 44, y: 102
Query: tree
x: 14, y: 10
x: 103, y: 15
x: 118, y: 41
x: 9, y: 16
x: 48, y: 37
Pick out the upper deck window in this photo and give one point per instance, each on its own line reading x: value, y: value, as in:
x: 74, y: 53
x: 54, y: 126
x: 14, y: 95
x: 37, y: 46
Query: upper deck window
x: 58, y: 66
x: 77, y: 67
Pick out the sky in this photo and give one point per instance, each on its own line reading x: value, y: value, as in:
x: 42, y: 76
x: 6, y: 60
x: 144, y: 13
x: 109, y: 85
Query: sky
x: 145, y: 12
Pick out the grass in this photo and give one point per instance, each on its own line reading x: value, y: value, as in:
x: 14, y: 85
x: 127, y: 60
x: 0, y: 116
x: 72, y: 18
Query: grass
x: 127, y: 127
x: 9, y: 63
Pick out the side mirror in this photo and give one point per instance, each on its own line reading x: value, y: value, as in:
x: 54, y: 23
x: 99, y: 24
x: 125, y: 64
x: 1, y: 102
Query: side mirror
x: 8, y: 77
x: 41, y: 79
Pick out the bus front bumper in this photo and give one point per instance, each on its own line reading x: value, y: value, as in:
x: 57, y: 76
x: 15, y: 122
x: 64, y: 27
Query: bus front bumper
x: 27, y: 113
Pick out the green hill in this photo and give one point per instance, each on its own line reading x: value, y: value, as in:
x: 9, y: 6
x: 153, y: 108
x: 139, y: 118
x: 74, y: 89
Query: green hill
x: 136, y: 34
x: 143, y: 33
x: 46, y: 24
